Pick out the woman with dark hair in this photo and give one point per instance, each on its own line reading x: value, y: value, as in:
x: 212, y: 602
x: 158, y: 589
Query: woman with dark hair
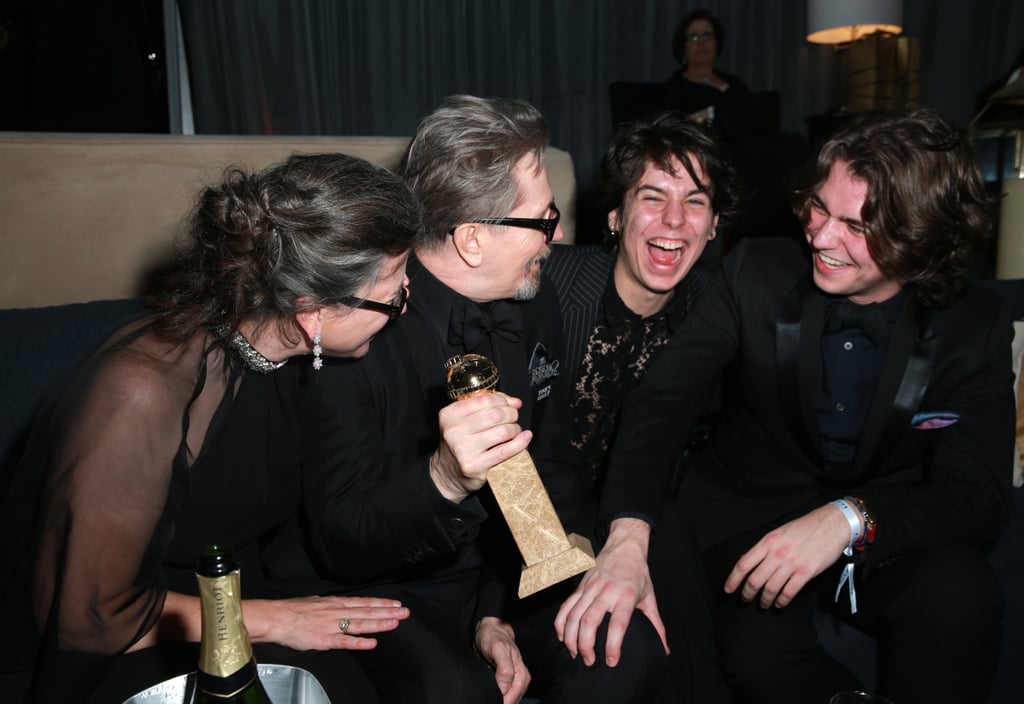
x: 705, y: 94
x: 173, y: 435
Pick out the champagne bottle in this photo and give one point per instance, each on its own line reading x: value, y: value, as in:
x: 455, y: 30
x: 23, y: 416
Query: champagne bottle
x: 227, y: 670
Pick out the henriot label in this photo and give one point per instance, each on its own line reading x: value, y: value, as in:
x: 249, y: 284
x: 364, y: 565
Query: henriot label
x: 225, y: 647
x: 221, y: 611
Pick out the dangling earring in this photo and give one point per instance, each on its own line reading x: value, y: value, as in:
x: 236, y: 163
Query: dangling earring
x: 318, y: 360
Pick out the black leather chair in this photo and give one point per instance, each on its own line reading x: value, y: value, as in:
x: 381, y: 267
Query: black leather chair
x: 635, y: 100
x: 764, y: 156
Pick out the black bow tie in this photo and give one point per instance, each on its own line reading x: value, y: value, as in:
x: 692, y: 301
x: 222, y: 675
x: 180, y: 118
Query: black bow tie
x: 471, y: 322
x: 869, y: 319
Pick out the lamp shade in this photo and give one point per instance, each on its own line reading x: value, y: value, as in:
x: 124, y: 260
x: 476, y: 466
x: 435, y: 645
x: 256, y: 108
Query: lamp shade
x: 841, y: 21
x: 1010, y: 244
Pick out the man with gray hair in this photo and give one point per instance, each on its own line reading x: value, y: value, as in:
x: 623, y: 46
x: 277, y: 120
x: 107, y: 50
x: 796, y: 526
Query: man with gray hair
x: 395, y: 472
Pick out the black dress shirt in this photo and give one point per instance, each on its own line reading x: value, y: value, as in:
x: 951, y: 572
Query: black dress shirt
x: 851, y: 362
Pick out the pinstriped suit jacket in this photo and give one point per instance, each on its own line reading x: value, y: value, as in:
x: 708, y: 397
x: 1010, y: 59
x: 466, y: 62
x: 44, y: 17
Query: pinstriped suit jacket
x: 580, y: 275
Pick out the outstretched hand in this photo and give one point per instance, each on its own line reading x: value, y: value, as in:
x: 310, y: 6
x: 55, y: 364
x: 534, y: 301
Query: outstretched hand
x: 618, y: 584
x: 315, y: 622
x: 496, y: 643
x: 781, y: 563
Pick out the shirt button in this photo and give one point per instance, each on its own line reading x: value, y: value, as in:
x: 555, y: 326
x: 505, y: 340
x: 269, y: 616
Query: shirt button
x: 847, y: 345
x: 840, y: 407
x: 456, y: 523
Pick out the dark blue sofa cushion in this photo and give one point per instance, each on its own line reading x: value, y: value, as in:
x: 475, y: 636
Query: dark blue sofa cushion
x: 40, y: 345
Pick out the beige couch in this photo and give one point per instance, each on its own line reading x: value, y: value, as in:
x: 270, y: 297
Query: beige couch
x: 86, y: 216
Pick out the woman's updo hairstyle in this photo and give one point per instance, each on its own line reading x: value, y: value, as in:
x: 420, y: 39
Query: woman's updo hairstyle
x: 316, y: 227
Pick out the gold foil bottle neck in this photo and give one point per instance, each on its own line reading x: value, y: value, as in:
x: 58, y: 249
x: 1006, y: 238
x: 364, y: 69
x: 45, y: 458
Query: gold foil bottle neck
x: 225, y: 648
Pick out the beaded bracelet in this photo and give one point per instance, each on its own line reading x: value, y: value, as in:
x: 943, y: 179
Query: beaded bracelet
x: 870, y: 525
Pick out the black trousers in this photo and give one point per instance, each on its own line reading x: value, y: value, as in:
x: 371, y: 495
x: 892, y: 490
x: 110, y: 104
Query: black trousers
x: 685, y: 600
x: 937, y: 614
x: 557, y: 678
x: 430, y: 658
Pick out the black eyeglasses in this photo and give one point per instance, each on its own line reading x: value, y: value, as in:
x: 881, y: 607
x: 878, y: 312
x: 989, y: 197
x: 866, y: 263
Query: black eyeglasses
x: 545, y: 225
x: 701, y: 37
x: 392, y: 309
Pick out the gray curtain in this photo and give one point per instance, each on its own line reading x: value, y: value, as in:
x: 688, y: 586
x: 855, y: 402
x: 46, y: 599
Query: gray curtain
x: 375, y: 66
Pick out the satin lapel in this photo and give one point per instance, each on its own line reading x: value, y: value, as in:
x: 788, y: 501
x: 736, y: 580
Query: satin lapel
x: 513, y: 360
x: 797, y: 360
x: 906, y: 372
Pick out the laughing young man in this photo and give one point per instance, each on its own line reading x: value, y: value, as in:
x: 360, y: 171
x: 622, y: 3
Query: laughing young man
x: 667, y: 189
x: 861, y: 460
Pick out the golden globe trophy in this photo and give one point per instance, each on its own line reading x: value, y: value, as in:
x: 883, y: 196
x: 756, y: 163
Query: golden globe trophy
x: 549, y: 555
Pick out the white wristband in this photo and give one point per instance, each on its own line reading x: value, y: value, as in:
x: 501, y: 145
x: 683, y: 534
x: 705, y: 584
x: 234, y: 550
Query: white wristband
x: 853, y: 517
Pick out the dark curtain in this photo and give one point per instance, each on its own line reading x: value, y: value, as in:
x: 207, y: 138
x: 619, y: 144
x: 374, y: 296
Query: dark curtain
x: 375, y: 66
x: 72, y: 66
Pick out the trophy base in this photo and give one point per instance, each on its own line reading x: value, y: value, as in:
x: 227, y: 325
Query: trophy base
x: 579, y: 557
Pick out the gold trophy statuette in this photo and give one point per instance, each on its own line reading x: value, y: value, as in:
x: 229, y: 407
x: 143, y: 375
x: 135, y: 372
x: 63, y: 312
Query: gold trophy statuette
x: 550, y: 556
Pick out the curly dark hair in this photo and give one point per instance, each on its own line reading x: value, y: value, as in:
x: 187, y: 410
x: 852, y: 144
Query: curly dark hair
x: 668, y: 136
x: 926, y: 207
x: 315, y: 227
x: 681, y: 35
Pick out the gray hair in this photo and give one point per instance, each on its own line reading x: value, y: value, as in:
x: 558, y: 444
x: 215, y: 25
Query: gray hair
x: 460, y: 163
x: 316, y: 227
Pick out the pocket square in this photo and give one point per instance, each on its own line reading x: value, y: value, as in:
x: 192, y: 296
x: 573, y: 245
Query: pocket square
x: 933, y: 420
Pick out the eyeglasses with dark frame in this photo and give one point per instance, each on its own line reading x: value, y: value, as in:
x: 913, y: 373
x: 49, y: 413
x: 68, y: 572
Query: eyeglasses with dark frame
x: 701, y: 37
x: 545, y: 225
x: 392, y: 309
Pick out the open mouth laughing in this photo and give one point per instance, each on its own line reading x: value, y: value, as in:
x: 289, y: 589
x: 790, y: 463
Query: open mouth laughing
x: 665, y: 251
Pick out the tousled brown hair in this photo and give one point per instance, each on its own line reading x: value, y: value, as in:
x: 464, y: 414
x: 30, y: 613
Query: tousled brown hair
x: 926, y: 208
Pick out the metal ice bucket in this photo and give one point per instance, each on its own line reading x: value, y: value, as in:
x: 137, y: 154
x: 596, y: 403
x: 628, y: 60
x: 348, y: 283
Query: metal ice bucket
x: 284, y: 684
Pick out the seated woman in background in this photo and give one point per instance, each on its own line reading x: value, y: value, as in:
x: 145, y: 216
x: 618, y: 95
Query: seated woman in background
x: 705, y: 94
x: 172, y: 436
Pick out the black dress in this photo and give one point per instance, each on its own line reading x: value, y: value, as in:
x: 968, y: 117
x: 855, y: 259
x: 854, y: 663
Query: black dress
x: 151, y: 452
x: 733, y: 115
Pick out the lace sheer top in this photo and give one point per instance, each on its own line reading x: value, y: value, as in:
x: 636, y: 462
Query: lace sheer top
x: 150, y: 452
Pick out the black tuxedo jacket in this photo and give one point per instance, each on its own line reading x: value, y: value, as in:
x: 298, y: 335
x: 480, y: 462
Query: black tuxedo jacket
x: 759, y: 329
x: 370, y: 427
